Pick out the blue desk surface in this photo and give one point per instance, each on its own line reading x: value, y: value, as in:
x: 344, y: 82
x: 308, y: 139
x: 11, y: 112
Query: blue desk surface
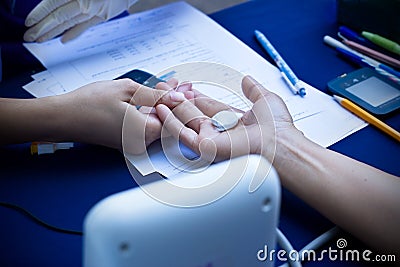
x: 62, y: 187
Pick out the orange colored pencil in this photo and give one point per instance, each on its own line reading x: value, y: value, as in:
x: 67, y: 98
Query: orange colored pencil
x: 347, y: 104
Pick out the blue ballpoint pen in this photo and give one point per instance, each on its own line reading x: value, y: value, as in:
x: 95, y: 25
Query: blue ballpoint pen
x: 390, y: 70
x: 335, y: 43
x: 363, y: 62
x: 357, y: 59
x: 293, y: 82
x: 347, y: 33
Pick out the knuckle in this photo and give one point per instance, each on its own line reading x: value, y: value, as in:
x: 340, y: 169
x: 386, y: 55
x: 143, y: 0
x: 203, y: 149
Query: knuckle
x: 126, y: 82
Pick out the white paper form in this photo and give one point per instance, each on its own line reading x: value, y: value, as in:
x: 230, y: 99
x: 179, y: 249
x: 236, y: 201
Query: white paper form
x: 152, y: 40
x: 44, y: 84
x: 177, y: 33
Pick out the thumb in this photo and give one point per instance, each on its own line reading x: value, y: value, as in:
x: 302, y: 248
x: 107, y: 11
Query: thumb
x: 252, y: 89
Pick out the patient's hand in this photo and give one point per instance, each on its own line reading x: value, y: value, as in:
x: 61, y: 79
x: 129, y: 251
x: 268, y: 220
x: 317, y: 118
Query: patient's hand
x: 256, y: 132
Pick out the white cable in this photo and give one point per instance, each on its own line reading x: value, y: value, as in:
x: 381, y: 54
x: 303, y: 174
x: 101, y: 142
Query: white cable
x: 321, y: 240
x: 285, y: 244
x: 316, y: 243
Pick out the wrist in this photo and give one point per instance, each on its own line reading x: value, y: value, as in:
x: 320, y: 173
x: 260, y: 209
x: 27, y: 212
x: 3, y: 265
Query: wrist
x: 49, y: 122
x: 27, y: 120
x: 293, y: 156
x: 275, y: 145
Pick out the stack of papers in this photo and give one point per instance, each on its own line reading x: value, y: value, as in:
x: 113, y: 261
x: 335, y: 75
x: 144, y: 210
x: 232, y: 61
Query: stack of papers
x: 168, y: 36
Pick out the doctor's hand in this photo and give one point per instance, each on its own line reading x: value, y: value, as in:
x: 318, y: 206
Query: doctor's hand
x: 106, y: 113
x: 257, y: 132
x: 53, y: 17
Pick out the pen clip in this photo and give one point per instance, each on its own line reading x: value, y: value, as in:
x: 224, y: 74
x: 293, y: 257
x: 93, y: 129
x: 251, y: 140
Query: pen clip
x: 341, y: 36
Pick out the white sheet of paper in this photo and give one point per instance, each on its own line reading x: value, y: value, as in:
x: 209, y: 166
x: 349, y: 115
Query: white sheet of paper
x: 171, y: 35
x: 44, y: 84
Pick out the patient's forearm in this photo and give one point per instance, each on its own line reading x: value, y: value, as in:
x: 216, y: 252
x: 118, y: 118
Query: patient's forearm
x: 359, y: 198
x: 24, y: 120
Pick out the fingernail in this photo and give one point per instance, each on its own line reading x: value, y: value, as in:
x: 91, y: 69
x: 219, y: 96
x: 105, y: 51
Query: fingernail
x: 189, y: 95
x: 177, y: 96
x: 65, y: 39
x: 184, y: 87
x: 28, y: 38
x: 251, y: 79
x: 29, y: 22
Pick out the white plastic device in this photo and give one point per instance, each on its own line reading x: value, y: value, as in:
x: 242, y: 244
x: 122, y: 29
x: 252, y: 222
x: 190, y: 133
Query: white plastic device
x: 133, y: 229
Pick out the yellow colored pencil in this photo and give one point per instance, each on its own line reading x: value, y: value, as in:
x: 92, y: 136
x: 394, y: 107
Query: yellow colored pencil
x: 347, y: 104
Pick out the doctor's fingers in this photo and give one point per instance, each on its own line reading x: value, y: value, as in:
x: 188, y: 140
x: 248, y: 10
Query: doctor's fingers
x: 176, y: 128
x: 210, y: 106
x: 62, y: 18
x: 73, y: 27
x: 141, y: 95
x: 134, y: 130
x: 42, y: 10
x: 189, y: 115
x: 172, y: 84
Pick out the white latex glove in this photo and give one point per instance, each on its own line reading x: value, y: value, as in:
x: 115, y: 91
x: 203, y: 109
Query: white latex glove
x: 53, y: 17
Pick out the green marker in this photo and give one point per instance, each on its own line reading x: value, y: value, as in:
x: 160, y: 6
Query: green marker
x: 383, y: 42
